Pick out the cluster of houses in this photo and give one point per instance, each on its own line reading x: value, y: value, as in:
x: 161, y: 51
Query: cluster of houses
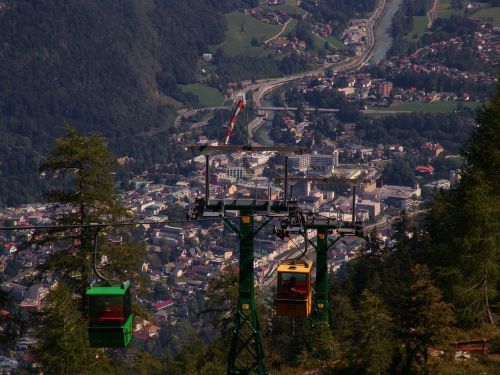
x: 355, y: 35
x: 353, y: 86
x: 323, y: 30
x: 383, y: 92
x: 485, y: 44
x: 284, y: 44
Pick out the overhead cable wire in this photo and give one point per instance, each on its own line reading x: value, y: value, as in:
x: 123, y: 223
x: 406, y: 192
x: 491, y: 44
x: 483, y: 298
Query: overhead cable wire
x: 111, y: 224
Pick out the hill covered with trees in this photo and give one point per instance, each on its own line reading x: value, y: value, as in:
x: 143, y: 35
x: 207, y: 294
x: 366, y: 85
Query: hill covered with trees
x: 107, y: 66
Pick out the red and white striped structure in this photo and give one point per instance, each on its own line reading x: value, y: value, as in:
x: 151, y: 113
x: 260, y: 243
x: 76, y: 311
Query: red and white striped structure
x: 239, y: 106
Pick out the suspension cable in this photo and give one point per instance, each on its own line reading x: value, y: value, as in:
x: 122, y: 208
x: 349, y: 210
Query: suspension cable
x: 96, y: 271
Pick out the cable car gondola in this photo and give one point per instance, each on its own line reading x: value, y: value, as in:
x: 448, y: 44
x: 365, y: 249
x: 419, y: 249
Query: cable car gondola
x: 110, y: 315
x: 294, y: 288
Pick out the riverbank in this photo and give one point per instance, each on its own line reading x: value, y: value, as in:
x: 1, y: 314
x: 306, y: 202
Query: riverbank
x: 383, y: 37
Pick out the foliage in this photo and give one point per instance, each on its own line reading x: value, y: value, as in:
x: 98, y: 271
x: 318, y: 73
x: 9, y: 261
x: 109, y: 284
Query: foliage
x: 441, y: 83
x: 280, y: 133
x: 196, y: 358
x: 304, y: 32
x: 207, y: 96
x: 238, y: 39
x: 230, y: 68
x: 402, y: 23
x: 146, y: 364
x: 63, y: 346
x: 490, y: 15
x: 373, y: 344
x: 414, y: 129
x: 10, y: 322
x: 222, y: 298
x: 160, y: 292
x: 456, y: 25
x: 323, y: 345
x: 109, y: 67
x: 400, y: 172
x: 338, y: 11
x: 428, y: 316
x: 467, y: 257
x: 79, y: 169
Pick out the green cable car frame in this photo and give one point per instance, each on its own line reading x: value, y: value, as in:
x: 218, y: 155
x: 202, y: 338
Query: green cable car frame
x: 110, y: 315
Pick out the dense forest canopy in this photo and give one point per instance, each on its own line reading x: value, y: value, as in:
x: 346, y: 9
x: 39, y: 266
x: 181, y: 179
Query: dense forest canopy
x: 100, y: 65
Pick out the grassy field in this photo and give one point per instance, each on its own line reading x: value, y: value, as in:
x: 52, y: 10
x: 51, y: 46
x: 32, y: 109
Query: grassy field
x: 489, y: 15
x: 427, y: 107
x: 208, y: 96
x: 419, y: 27
x: 319, y: 41
x: 335, y: 42
x: 445, y: 11
x: 241, y: 29
x: 291, y: 25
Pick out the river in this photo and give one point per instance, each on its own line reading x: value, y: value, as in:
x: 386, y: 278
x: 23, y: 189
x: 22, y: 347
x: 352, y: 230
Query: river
x: 383, y: 38
x: 262, y: 135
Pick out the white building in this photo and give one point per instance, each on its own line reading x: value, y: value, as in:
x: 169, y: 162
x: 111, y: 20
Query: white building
x: 314, y: 161
x: 372, y: 207
x: 236, y: 172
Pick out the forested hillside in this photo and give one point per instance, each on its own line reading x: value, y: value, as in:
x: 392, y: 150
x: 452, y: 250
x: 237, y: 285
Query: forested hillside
x: 107, y: 66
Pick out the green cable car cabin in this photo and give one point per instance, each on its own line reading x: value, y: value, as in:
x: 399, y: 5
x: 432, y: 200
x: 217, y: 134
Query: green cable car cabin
x: 294, y: 288
x: 110, y: 315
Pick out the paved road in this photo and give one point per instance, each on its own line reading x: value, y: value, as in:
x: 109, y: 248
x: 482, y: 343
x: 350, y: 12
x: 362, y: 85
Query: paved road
x: 307, y: 109
x: 383, y: 111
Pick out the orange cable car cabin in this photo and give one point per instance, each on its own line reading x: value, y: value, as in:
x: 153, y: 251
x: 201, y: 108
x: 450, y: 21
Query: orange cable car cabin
x: 110, y: 315
x: 294, y: 296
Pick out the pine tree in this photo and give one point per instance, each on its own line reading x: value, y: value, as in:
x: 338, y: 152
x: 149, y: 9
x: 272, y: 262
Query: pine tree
x: 63, y: 343
x: 79, y: 169
x: 428, y: 316
x: 323, y: 345
x: 464, y: 225
x: 10, y: 321
x: 146, y: 364
x: 373, y: 348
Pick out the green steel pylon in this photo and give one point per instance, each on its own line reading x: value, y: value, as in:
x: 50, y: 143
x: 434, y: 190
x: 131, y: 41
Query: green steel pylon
x: 246, y: 355
x: 321, y: 310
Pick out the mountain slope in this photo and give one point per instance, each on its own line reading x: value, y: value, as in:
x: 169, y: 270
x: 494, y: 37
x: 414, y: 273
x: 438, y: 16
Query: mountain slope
x: 102, y: 66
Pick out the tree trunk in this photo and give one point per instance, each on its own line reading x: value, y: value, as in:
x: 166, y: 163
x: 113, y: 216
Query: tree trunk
x: 487, y: 302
